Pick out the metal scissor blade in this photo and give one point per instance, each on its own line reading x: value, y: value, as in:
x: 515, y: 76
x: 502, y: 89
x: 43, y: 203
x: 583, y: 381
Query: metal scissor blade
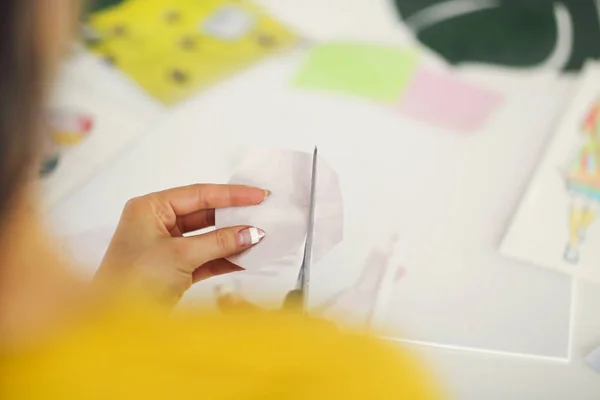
x: 304, y: 275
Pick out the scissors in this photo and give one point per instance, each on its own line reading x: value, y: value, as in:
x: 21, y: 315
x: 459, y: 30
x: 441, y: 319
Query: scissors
x: 296, y: 300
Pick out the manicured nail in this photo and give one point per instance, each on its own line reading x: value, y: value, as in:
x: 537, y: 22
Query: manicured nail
x: 250, y: 236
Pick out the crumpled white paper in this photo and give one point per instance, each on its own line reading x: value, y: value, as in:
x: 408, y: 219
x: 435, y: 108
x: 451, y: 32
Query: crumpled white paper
x: 283, y: 215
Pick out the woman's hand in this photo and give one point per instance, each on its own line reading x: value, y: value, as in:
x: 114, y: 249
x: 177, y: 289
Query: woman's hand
x: 150, y: 252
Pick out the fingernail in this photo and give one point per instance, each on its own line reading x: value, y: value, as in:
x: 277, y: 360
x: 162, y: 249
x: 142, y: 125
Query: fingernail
x: 267, y: 193
x: 250, y: 236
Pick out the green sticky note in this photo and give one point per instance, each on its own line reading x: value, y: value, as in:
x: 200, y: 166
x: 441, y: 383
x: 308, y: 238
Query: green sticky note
x: 378, y: 72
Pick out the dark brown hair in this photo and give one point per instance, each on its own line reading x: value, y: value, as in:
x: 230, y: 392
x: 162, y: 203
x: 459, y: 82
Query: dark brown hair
x: 22, y: 78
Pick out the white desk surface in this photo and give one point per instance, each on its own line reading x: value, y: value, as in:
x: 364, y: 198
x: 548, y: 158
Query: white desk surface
x: 467, y: 374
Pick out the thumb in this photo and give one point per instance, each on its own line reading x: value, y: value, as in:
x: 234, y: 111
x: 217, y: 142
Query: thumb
x: 221, y: 243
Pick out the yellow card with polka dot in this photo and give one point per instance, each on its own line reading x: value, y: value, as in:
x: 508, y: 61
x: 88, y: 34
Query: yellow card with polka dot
x: 174, y: 48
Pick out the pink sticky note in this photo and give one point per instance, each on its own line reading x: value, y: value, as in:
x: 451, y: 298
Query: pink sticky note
x: 442, y: 99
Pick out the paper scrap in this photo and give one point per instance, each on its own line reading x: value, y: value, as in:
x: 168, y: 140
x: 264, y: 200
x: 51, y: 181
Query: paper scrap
x: 356, y: 305
x: 442, y: 99
x: 378, y: 72
x: 353, y: 307
x: 283, y: 215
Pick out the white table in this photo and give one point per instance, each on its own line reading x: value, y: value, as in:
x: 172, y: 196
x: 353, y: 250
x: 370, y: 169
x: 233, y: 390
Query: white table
x: 165, y: 157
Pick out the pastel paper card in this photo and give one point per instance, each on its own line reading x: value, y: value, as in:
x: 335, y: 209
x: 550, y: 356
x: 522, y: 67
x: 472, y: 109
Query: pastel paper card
x: 284, y: 214
x: 377, y: 72
x: 442, y: 99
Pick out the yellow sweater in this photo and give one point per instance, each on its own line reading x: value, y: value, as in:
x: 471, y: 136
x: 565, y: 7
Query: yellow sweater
x: 129, y: 354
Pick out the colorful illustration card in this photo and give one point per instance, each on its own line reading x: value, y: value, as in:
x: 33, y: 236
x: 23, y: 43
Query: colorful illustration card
x: 66, y: 128
x: 443, y: 99
x: 84, y: 131
x: 174, y: 48
x: 556, y: 224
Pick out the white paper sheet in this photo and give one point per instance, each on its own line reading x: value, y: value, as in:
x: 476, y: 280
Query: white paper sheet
x: 556, y: 223
x: 449, y: 198
x: 283, y: 215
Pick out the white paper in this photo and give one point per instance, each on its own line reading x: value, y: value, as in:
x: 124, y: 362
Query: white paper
x: 284, y: 214
x: 543, y: 230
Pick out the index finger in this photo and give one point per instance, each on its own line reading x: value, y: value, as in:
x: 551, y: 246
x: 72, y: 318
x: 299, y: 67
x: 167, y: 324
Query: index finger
x: 188, y: 199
